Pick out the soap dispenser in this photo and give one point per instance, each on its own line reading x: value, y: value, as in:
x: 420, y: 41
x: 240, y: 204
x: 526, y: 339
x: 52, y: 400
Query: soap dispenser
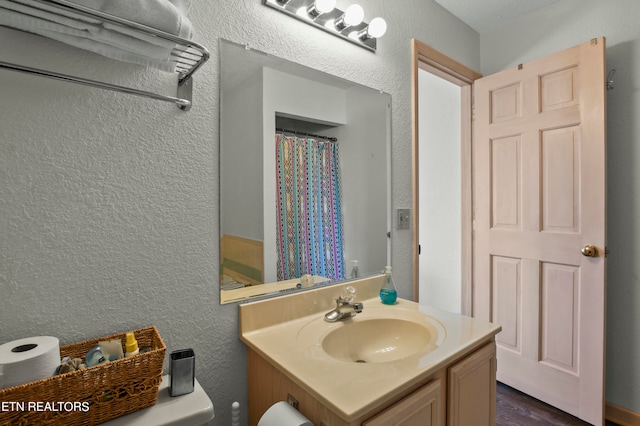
x: 388, y: 291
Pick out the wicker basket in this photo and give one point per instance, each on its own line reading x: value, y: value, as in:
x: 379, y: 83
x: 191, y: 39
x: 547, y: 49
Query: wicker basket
x: 92, y: 395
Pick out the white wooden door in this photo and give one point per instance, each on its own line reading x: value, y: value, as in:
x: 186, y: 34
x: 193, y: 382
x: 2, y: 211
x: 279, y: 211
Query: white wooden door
x: 539, y: 198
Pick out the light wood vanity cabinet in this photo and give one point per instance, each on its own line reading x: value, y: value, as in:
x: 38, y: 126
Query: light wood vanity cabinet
x: 460, y: 394
x: 471, y: 398
x: 422, y: 408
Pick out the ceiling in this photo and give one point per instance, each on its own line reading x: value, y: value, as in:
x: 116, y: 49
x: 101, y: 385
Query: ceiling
x: 483, y: 15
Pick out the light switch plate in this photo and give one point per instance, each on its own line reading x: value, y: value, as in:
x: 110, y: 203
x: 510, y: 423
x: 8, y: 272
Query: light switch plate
x: 402, y: 221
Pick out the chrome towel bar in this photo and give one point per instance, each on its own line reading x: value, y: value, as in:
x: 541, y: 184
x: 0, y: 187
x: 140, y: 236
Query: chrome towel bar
x: 183, y: 104
x: 189, y: 56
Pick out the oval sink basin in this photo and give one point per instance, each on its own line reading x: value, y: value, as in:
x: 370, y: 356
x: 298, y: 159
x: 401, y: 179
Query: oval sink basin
x: 379, y: 340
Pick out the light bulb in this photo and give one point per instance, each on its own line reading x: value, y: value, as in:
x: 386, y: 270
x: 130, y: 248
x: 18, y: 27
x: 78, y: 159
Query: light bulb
x: 353, y: 15
x: 377, y: 28
x: 325, y: 6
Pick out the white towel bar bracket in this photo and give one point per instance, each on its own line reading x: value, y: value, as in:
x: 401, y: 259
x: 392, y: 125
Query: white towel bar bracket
x: 185, y: 91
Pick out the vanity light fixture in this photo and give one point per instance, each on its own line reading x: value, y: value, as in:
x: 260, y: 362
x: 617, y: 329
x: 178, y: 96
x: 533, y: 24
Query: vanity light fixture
x: 354, y: 15
x: 375, y: 29
x: 323, y: 14
x: 319, y: 7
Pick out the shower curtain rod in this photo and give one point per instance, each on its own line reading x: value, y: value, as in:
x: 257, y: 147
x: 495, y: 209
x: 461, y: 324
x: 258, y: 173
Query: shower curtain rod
x: 295, y: 132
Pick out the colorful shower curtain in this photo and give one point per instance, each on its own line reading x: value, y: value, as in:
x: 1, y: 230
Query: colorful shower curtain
x: 310, y: 235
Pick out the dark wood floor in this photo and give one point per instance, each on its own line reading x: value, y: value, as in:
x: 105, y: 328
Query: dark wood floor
x: 517, y: 409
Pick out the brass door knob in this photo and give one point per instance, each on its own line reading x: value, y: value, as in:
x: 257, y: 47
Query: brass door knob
x: 589, y: 251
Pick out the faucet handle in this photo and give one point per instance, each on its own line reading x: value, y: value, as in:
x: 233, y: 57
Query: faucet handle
x: 348, y: 294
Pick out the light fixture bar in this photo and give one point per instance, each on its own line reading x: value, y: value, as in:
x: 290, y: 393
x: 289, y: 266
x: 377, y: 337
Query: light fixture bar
x: 324, y: 21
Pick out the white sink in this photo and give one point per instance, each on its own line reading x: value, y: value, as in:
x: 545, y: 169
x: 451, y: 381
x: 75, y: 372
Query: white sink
x: 378, y: 334
x: 379, y: 340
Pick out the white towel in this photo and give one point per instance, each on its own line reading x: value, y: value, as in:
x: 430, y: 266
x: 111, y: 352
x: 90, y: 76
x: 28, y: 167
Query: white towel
x: 170, y: 16
x: 105, y: 39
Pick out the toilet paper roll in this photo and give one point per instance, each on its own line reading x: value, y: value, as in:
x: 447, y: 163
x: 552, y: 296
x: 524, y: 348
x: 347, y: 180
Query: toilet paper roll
x: 283, y: 414
x: 25, y: 360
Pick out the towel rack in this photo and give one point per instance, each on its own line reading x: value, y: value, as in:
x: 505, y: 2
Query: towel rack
x: 190, y: 56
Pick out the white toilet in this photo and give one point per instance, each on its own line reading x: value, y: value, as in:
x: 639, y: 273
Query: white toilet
x: 196, y: 408
x: 192, y: 409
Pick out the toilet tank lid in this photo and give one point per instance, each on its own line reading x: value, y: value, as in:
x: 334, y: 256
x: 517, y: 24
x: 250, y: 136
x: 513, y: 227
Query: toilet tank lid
x: 185, y: 410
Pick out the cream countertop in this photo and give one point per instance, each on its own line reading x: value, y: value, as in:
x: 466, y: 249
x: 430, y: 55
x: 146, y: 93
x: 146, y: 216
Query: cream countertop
x: 287, y: 332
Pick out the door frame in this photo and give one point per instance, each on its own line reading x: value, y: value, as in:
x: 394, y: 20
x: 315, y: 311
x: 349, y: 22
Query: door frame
x: 428, y: 59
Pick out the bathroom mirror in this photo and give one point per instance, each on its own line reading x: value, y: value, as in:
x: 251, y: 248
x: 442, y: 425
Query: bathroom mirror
x: 304, y: 176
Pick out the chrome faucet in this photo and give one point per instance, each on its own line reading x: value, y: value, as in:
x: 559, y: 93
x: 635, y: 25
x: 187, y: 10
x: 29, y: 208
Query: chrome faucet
x: 344, y: 308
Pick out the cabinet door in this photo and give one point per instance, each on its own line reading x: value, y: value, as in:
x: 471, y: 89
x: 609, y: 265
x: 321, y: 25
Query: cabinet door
x: 472, y: 389
x: 421, y: 408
